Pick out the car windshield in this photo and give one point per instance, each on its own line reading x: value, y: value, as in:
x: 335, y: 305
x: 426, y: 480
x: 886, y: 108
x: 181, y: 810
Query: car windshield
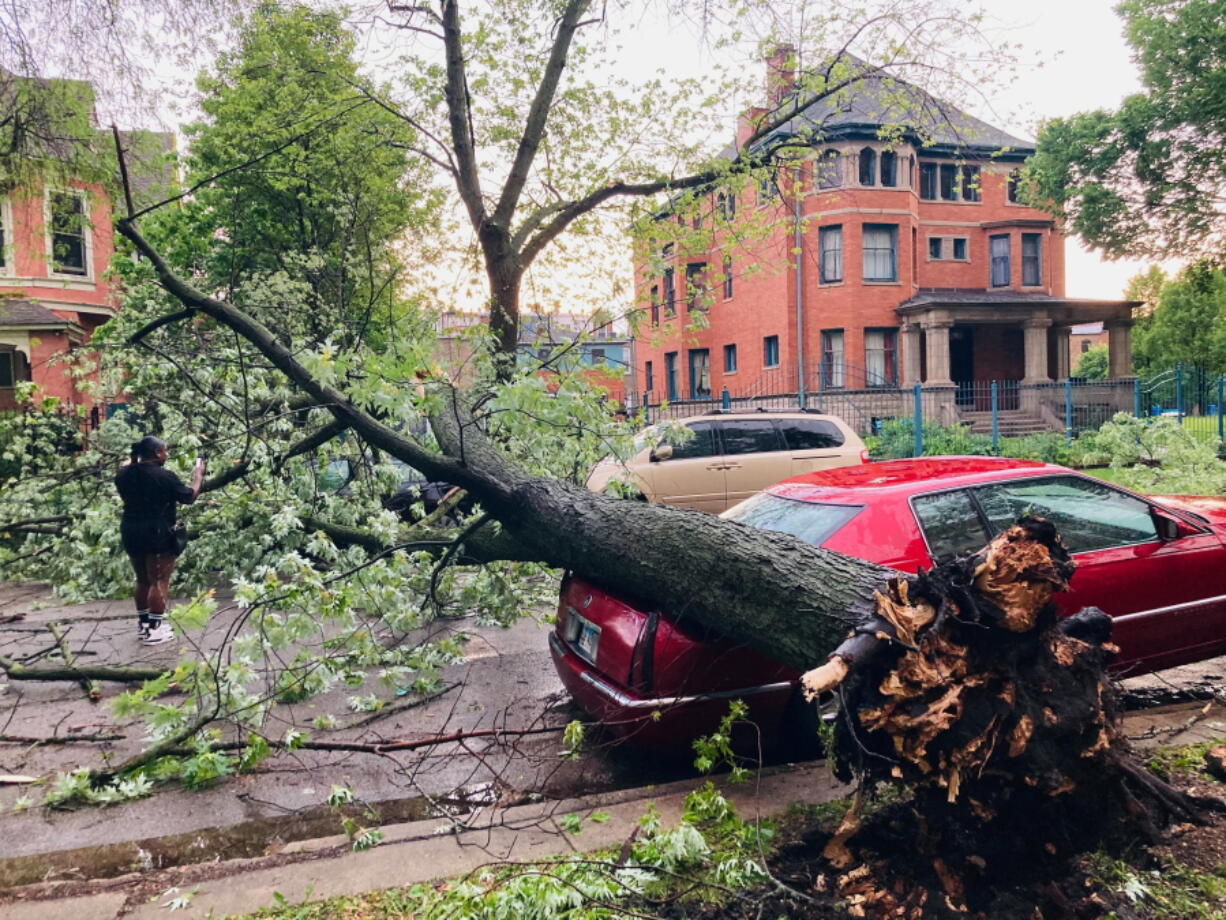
x: 812, y: 522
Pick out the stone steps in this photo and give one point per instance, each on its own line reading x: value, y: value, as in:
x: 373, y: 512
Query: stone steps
x: 1012, y: 422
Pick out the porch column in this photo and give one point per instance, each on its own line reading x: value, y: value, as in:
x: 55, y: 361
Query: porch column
x: 1063, y: 360
x: 910, y: 354
x: 1035, y: 330
x: 937, y: 333
x: 1119, y: 350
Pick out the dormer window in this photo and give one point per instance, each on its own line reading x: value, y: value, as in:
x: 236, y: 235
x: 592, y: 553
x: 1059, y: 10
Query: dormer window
x: 68, y: 234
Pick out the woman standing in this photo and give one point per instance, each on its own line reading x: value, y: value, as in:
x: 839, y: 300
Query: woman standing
x: 150, y: 493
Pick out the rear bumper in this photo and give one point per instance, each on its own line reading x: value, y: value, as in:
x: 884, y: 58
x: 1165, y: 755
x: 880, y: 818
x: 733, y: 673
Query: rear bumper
x: 663, y: 721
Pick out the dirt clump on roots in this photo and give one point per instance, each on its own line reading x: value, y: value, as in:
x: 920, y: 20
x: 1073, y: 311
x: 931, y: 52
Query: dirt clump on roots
x: 999, y: 719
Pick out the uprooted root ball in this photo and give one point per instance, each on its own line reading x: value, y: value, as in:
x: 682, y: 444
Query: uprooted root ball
x: 999, y: 716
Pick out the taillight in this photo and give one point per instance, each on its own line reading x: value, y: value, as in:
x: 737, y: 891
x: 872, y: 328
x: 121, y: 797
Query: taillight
x: 864, y: 458
x: 560, y: 619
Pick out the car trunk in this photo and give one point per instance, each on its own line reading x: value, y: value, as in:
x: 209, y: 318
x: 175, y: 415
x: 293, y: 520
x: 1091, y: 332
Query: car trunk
x: 655, y: 655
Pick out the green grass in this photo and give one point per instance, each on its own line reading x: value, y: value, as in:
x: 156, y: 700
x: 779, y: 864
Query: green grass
x: 1106, y: 474
x: 1176, y: 892
x: 1182, y: 761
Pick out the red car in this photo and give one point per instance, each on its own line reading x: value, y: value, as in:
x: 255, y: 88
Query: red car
x: 1156, y: 565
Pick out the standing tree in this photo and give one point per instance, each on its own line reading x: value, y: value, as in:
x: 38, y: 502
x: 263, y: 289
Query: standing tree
x: 1147, y: 179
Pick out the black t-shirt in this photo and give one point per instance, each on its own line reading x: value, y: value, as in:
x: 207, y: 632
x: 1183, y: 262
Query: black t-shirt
x: 149, y: 493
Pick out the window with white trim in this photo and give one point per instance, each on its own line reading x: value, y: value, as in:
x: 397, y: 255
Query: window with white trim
x: 68, y: 233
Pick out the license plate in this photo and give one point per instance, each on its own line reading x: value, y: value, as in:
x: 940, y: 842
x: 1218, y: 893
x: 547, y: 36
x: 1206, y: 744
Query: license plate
x: 583, y: 635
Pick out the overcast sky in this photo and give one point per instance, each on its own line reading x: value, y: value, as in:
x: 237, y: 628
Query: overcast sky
x: 1073, y: 58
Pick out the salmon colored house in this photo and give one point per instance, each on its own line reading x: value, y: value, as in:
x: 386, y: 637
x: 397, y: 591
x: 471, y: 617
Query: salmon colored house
x: 53, y: 293
x: 891, y: 255
x: 56, y: 242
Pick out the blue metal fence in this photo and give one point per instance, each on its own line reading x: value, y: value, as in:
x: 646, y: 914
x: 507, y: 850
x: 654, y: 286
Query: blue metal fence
x: 996, y: 409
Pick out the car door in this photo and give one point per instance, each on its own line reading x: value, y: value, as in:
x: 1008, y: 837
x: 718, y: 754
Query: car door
x: 1166, y: 596
x: 754, y: 457
x: 815, y: 444
x: 693, y: 476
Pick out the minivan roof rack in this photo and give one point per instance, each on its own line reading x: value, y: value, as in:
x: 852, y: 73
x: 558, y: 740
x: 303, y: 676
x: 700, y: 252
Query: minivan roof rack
x: 741, y: 411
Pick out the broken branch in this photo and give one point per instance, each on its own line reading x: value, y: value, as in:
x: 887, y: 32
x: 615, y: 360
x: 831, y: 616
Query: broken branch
x: 92, y: 691
x: 124, y: 675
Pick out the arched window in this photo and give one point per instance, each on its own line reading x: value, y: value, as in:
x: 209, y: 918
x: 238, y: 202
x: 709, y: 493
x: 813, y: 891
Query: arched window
x: 1015, y: 181
x: 829, y: 169
x: 889, y: 168
x: 868, y: 166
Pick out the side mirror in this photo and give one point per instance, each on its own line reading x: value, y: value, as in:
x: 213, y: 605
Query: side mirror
x: 1168, y: 528
x: 663, y: 452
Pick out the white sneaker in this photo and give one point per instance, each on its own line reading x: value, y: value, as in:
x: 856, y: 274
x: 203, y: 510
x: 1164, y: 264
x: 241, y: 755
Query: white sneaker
x: 158, y: 634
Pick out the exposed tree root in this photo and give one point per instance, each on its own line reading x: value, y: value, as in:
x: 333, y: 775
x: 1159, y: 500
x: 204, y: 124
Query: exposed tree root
x: 999, y: 717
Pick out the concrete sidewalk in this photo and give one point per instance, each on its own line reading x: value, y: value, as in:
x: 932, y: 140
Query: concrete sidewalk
x: 414, y: 852
x: 420, y: 851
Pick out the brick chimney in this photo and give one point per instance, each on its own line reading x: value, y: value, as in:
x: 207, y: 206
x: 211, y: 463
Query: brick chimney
x: 780, y: 72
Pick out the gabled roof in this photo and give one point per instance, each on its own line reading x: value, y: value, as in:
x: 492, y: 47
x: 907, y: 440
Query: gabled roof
x: 876, y: 101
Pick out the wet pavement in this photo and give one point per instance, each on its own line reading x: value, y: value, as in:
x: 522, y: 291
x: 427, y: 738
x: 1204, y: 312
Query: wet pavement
x: 506, y: 683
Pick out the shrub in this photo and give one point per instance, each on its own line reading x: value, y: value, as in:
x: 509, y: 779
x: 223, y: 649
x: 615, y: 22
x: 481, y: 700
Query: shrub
x: 896, y: 439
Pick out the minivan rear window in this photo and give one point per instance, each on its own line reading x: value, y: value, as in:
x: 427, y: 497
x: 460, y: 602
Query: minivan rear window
x: 812, y: 522
x: 810, y: 434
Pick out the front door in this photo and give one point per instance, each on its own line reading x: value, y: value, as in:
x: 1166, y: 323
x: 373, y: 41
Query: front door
x: 962, y: 364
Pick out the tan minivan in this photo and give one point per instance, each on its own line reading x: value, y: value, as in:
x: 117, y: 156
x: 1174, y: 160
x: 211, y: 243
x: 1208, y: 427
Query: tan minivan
x: 731, y: 456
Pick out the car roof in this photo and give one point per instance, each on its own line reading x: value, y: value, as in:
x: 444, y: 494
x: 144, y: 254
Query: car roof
x: 716, y: 414
x: 869, y: 481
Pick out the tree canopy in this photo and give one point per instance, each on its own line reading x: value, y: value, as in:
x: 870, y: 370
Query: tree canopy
x: 1147, y: 179
x: 1184, y: 323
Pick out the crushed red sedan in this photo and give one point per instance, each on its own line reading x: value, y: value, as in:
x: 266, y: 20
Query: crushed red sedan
x: 1157, y: 565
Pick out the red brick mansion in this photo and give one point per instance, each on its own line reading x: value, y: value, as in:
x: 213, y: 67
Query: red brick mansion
x: 884, y: 263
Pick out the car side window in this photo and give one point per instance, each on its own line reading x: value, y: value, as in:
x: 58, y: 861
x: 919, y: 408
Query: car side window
x: 1089, y: 515
x: 749, y: 436
x: 951, y: 524
x: 810, y: 434
x: 701, y: 445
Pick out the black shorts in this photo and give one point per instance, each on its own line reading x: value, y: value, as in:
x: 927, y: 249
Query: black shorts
x: 146, y: 538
